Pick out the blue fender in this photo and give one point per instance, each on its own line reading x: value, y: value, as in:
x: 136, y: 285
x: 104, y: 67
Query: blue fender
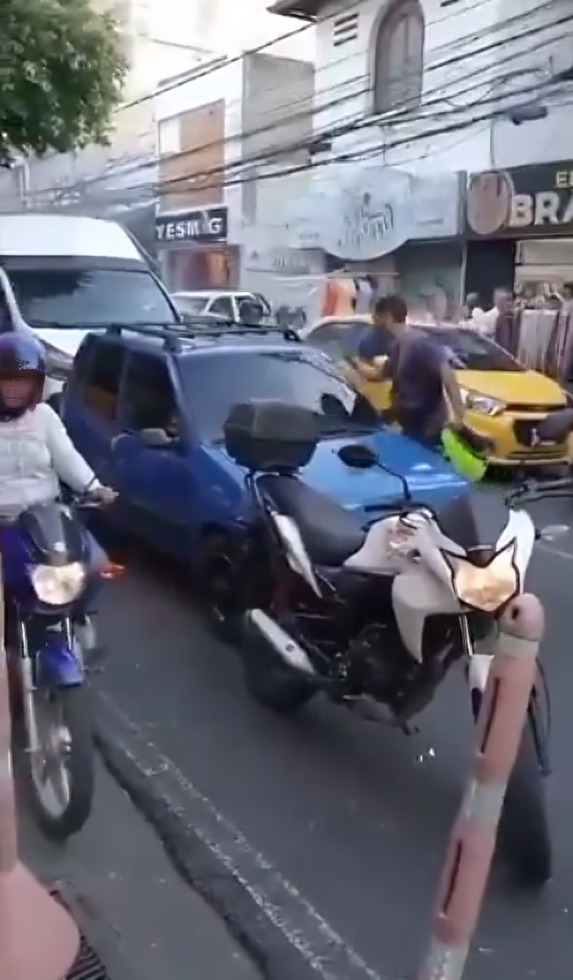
x: 59, y: 666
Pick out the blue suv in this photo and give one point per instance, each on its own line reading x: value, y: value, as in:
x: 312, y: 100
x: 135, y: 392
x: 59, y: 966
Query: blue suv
x: 147, y: 406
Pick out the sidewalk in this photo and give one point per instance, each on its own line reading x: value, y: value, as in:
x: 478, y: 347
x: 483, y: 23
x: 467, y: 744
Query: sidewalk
x: 120, y: 877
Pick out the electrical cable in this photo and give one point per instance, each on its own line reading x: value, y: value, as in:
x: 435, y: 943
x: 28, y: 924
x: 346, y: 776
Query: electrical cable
x: 393, y: 117
x: 198, y: 73
x: 356, y: 124
x: 370, y: 153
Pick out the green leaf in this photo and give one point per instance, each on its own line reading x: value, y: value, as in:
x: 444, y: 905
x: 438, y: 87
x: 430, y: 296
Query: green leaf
x: 62, y: 68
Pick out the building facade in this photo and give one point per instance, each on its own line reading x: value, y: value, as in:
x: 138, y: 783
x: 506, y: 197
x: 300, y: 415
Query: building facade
x: 411, y: 93
x: 223, y: 136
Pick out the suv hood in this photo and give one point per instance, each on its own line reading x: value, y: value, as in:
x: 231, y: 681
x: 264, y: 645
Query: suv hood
x: 430, y: 478
x: 514, y: 387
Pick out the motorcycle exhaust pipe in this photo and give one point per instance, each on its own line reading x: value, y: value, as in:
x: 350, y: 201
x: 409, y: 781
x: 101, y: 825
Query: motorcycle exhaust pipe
x: 287, y: 649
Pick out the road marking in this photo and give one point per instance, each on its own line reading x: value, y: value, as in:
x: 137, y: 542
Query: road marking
x: 318, y: 944
x: 555, y: 551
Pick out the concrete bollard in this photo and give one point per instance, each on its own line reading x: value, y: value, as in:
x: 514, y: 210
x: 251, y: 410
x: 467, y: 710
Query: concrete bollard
x: 38, y: 939
x: 472, y: 842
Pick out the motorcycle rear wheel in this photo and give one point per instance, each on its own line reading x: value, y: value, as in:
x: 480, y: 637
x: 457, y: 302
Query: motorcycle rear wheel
x: 61, y: 773
x: 524, y: 840
x: 273, y: 684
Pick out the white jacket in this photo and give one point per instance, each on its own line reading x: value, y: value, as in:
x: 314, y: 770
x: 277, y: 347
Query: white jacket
x: 36, y: 453
x: 484, y: 322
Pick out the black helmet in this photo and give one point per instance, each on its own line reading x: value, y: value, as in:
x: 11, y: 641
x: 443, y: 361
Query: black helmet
x: 23, y: 356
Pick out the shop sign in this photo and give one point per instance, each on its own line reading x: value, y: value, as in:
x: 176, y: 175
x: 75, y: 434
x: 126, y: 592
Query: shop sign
x: 377, y: 212
x: 370, y: 217
x: 532, y: 201
x: 205, y: 226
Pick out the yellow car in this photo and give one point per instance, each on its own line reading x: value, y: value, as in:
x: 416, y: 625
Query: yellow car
x: 504, y: 400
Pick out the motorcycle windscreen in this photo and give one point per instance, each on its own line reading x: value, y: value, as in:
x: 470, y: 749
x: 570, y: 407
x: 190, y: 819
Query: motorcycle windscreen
x: 475, y: 522
x: 54, y: 532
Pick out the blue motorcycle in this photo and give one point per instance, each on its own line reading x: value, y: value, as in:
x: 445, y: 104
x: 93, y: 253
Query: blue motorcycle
x: 48, y: 581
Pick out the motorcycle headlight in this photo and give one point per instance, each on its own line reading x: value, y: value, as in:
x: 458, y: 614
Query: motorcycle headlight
x: 489, y: 588
x: 477, y: 402
x: 58, y: 585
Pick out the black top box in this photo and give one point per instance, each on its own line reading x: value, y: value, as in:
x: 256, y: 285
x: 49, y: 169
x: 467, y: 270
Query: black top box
x: 271, y: 436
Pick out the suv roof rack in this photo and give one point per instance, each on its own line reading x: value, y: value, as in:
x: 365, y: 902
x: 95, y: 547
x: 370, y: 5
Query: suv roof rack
x: 174, y: 334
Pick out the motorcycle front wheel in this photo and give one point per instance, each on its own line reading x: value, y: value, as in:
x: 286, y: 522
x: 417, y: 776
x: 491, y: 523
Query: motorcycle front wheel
x: 61, y: 771
x: 524, y: 840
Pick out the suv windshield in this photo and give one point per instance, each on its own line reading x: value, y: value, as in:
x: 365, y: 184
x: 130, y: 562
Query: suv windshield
x: 469, y: 350
x: 82, y: 297
x: 306, y: 378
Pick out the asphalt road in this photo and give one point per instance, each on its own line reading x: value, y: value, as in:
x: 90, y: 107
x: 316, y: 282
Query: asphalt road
x: 351, y: 817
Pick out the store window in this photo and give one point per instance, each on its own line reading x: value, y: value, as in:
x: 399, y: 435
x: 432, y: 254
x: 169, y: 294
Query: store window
x: 399, y: 57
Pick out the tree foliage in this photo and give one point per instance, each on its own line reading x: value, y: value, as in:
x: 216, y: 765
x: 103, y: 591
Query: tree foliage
x: 61, y: 74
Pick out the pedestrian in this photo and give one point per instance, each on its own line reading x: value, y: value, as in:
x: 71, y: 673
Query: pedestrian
x: 472, y: 312
x: 554, y: 302
x: 502, y: 304
x: 423, y: 382
x: 507, y: 324
x: 251, y: 312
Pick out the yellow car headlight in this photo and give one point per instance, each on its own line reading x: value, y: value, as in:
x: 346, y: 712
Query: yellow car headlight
x: 58, y: 585
x: 488, y: 588
x: 484, y: 404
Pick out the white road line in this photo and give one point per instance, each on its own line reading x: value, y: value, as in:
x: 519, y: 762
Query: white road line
x: 318, y: 944
x: 555, y: 551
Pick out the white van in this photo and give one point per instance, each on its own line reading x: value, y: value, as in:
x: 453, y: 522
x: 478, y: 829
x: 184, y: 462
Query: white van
x: 63, y: 276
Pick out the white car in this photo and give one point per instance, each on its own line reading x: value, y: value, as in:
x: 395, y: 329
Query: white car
x: 222, y: 302
x: 63, y: 276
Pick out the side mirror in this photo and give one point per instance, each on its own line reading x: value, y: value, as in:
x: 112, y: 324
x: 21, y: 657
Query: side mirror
x: 358, y: 456
x: 157, y: 439
x: 553, y: 531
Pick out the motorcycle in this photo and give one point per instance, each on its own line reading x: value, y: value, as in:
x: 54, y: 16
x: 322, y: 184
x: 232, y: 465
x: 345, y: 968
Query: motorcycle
x: 376, y: 616
x: 46, y: 587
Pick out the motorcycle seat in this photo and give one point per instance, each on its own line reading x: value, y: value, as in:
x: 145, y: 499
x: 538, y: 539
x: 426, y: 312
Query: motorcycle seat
x: 329, y: 533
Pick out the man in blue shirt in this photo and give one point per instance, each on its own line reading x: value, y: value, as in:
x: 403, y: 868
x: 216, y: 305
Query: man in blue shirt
x: 423, y: 382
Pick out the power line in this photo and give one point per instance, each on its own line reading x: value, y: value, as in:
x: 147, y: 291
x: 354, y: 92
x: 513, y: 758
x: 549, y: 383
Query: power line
x: 369, y: 153
x: 372, y: 153
x: 394, y: 117
x: 357, y: 123
x: 195, y: 74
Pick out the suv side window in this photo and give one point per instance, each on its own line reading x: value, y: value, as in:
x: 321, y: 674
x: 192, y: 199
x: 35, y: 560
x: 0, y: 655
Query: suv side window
x: 222, y: 306
x: 100, y: 369
x: 81, y: 366
x: 148, y: 396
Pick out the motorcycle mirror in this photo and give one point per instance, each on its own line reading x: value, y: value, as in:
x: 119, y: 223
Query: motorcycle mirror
x: 358, y: 456
x: 553, y: 531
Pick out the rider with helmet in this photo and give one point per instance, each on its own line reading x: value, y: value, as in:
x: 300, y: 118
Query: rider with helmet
x: 36, y: 453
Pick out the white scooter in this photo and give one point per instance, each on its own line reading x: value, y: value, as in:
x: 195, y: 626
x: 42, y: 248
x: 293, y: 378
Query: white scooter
x: 375, y: 617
